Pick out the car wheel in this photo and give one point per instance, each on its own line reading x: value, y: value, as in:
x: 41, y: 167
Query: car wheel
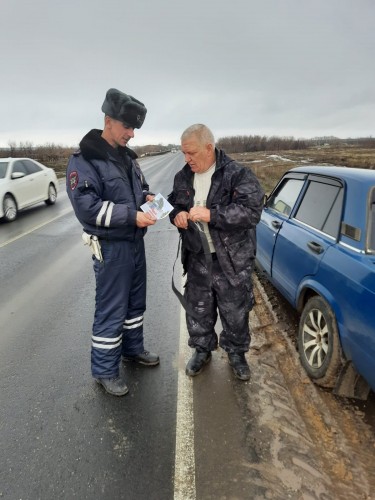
x: 52, y: 195
x: 9, y: 208
x: 319, y: 343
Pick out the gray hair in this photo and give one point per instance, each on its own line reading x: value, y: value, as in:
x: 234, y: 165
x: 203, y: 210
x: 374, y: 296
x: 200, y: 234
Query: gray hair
x: 201, y: 132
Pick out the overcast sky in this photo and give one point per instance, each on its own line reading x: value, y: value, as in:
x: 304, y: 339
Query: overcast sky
x: 273, y: 67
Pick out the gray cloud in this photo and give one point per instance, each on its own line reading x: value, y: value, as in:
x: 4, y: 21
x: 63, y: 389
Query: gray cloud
x: 287, y: 68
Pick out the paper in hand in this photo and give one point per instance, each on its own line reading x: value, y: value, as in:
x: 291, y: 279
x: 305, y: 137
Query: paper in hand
x: 158, y: 208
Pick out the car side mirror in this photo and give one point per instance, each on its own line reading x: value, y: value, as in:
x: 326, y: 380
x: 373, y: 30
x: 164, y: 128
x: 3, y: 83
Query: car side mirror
x: 18, y: 175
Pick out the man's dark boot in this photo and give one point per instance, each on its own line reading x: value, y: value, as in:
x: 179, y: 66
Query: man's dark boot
x: 196, y: 362
x: 239, y: 365
x: 114, y: 385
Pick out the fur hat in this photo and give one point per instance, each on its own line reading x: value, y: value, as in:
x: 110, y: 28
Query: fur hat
x: 124, y: 108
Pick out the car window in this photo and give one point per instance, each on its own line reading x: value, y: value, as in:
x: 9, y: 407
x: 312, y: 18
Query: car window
x: 332, y: 224
x: 31, y: 167
x: 18, y: 166
x: 3, y: 169
x: 321, y: 207
x: 285, y: 197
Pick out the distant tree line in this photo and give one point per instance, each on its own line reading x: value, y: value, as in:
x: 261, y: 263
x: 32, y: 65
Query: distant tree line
x: 151, y: 149
x: 49, y: 154
x: 253, y: 143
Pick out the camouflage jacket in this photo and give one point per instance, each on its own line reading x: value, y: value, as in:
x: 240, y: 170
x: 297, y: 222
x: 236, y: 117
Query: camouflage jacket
x: 235, y: 200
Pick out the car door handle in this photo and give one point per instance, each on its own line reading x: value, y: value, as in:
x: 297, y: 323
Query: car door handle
x: 315, y: 247
x: 276, y: 224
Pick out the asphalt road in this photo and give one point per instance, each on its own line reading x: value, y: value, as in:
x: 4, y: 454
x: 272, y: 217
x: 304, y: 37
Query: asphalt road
x: 61, y: 435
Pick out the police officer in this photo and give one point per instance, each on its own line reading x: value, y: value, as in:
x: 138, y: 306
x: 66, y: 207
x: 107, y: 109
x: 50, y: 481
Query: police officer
x: 225, y: 199
x: 106, y: 188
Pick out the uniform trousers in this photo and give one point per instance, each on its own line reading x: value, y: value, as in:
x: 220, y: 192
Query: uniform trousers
x: 120, y: 303
x: 209, y: 294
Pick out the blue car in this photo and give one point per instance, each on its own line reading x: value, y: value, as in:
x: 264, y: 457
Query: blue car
x: 316, y: 244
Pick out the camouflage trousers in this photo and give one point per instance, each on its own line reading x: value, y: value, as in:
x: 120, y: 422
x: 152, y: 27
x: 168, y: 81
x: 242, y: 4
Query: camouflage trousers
x: 209, y: 295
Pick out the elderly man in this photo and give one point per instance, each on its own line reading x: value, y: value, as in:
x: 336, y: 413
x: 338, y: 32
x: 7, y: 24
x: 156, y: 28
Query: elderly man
x: 106, y: 188
x: 225, y: 199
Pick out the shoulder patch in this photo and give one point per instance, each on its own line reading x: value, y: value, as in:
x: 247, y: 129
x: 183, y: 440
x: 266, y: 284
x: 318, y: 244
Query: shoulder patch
x: 73, y: 180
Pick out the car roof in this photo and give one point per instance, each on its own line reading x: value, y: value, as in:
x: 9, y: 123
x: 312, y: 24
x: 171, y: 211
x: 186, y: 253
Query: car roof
x: 345, y: 173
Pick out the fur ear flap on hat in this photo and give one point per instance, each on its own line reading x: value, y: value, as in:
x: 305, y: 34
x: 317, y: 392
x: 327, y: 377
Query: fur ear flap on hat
x: 124, y: 108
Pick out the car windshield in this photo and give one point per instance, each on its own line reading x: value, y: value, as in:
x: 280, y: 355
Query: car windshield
x: 3, y: 169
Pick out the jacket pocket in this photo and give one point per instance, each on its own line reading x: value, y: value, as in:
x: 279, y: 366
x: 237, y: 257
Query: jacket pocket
x: 240, y: 255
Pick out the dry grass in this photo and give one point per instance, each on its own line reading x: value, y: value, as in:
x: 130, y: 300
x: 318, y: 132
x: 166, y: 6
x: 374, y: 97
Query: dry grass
x: 270, y: 166
x: 59, y: 166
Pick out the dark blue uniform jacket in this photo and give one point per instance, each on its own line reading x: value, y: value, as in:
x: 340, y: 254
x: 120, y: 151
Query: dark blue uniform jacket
x: 106, y: 188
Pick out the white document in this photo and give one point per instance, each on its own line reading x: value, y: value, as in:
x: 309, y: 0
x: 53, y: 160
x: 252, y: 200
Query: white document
x: 158, y: 208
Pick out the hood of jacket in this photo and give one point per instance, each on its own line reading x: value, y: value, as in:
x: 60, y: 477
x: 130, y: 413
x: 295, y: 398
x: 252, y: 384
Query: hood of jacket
x: 222, y: 159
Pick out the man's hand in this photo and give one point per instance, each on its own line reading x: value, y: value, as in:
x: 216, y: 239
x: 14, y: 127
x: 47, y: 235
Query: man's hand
x: 181, y: 220
x: 200, y: 214
x: 150, y: 197
x: 144, y: 219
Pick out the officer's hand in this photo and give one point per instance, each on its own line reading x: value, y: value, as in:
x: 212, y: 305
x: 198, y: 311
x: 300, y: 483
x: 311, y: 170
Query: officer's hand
x: 181, y: 220
x: 200, y: 214
x: 150, y: 197
x: 144, y: 219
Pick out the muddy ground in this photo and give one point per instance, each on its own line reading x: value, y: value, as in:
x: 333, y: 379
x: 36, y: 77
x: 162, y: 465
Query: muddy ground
x: 313, y: 444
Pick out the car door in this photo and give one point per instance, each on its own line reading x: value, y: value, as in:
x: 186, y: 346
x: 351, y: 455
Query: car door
x: 20, y: 187
x: 38, y: 181
x: 276, y: 211
x: 304, y: 238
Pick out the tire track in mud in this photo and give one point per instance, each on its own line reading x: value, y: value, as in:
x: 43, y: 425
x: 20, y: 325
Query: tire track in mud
x: 305, y: 446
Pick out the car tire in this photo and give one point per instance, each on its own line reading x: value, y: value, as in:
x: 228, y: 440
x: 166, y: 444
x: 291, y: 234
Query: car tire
x: 319, y: 343
x: 52, y: 195
x: 9, y: 208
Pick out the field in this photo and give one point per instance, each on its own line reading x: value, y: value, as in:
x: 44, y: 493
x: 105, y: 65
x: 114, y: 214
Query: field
x: 269, y: 166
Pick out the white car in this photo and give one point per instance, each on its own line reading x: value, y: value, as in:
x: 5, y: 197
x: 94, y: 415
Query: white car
x: 25, y: 182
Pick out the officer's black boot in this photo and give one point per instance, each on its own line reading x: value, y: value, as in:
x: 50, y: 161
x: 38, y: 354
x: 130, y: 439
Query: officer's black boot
x: 197, y: 362
x: 115, y: 385
x: 239, y: 365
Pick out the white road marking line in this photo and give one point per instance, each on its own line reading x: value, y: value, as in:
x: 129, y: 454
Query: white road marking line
x: 35, y: 228
x: 184, y: 476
